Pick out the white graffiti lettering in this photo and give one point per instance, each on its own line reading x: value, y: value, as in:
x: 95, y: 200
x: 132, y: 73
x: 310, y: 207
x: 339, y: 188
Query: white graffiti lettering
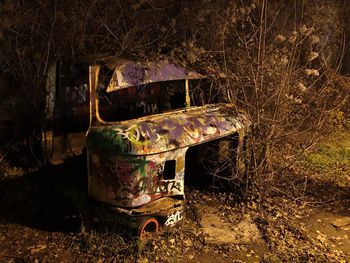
x: 173, y: 218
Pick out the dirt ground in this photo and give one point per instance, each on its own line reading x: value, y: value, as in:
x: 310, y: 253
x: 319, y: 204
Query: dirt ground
x: 41, y: 221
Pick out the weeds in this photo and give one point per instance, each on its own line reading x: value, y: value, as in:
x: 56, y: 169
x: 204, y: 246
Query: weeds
x: 329, y: 160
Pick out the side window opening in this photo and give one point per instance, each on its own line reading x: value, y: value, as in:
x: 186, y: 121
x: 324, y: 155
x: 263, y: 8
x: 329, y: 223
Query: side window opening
x: 169, y: 170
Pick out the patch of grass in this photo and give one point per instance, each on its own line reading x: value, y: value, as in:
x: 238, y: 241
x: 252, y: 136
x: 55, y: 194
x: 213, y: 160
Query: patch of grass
x: 330, y: 159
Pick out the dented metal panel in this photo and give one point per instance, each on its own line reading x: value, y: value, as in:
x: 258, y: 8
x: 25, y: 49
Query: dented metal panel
x: 132, y: 181
x: 168, y: 131
x: 129, y: 74
x: 127, y: 159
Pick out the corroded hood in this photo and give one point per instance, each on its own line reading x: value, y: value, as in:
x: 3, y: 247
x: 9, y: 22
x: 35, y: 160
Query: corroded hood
x: 167, y: 131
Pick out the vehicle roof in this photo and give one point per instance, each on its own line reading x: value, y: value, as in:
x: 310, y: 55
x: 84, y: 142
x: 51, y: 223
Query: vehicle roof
x: 128, y: 73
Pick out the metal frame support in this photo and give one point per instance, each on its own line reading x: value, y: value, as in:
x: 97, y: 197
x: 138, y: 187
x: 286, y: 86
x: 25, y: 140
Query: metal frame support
x: 93, y: 84
x: 188, y: 98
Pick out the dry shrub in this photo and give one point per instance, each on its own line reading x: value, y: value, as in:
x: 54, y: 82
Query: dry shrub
x: 287, y: 80
x: 282, y: 68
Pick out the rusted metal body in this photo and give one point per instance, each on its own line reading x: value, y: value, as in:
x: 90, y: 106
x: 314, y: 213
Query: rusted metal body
x: 137, y: 166
x: 127, y: 159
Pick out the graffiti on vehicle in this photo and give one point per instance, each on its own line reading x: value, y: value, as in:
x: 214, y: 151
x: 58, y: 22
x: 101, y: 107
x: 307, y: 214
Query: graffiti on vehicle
x: 138, y: 149
x: 148, y: 132
x: 152, y: 136
x: 155, y: 186
x: 135, y: 180
x: 142, y: 199
x: 77, y: 95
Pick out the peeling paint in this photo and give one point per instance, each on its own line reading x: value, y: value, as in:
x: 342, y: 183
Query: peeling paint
x: 128, y: 74
x: 165, y: 132
x: 127, y: 158
x: 131, y: 181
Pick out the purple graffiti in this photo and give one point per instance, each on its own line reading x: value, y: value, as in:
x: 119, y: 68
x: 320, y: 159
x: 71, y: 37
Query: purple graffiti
x: 175, y: 128
x: 133, y: 74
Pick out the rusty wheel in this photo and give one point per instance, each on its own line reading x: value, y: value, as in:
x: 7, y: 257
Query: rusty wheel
x: 150, y: 225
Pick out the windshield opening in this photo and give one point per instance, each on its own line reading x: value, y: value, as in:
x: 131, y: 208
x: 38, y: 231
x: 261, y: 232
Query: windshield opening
x: 143, y: 100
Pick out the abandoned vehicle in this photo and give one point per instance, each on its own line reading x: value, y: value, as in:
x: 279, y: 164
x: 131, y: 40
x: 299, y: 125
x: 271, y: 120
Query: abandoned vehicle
x: 142, y: 136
